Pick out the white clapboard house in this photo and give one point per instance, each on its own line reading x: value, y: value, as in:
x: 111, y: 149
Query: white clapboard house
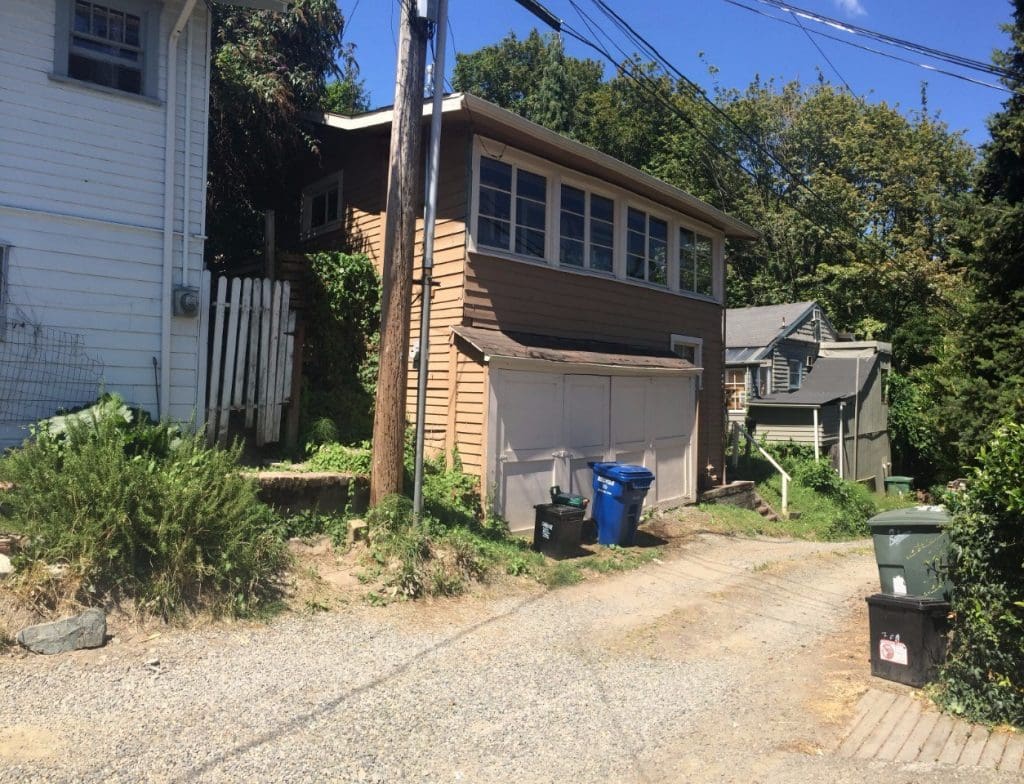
x: 103, y: 140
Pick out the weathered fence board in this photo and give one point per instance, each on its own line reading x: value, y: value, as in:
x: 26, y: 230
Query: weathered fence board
x: 250, y: 364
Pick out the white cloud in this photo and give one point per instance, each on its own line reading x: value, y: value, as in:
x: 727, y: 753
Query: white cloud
x: 852, y: 7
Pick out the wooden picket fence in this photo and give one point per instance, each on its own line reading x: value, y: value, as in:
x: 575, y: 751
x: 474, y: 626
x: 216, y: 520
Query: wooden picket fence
x: 251, y: 357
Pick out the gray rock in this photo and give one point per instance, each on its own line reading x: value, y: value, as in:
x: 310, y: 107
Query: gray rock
x: 86, y: 630
x: 6, y: 570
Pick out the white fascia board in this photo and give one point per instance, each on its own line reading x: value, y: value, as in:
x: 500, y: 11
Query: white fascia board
x: 345, y: 122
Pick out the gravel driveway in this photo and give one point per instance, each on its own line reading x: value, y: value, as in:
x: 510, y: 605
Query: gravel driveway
x: 737, y: 660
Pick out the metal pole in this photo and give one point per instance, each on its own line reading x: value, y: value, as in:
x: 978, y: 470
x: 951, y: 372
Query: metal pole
x: 842, y: 444
x: 429, y: 220
x: 856, y: 424
x: 817, y: 436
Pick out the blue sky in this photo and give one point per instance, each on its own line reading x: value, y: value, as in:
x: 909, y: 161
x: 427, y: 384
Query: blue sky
x: 696, y: 33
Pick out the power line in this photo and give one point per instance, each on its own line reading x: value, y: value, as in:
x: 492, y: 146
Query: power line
x: 821, y: 52
x: 902, y: 43
x: 881, y: 53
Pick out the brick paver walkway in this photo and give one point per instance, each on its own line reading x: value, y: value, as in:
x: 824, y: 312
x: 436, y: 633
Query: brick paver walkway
x: 894, y: 724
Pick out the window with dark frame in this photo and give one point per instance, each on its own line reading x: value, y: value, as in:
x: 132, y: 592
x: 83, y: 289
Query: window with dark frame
x: 321, y: 206
x: 106, y: 47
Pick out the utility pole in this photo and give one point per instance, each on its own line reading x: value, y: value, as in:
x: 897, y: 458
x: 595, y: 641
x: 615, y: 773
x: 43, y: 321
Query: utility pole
x: 399, y: 238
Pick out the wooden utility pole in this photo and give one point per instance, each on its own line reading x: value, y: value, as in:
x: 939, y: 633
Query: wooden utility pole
x: 404, y: 178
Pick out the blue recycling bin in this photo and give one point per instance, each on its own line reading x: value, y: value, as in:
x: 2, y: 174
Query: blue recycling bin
x: 619, y: 492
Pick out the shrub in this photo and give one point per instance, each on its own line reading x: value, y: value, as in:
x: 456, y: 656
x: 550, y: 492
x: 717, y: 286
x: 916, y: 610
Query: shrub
x: 984, y: 676
x: 137, y: 510
x: 341, y: 458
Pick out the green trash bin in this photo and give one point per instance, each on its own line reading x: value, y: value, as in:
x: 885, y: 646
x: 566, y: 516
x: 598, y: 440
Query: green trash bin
x: 898, y: 485
x: 912, y: 551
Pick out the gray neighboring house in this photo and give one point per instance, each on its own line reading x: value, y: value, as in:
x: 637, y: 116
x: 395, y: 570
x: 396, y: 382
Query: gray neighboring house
x: 840, y: 408
x: 770, y: 349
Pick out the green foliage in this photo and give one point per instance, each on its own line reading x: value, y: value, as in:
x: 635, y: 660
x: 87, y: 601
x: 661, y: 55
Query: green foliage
x: 531, y: 77
x: 307, y: 524
x: 984, y: 676
x: 829, y: 507
x: 267, y: 68
x: 340, y: 357
x: 913, y: 429
x: 340, y: 458
x: 136, y: 513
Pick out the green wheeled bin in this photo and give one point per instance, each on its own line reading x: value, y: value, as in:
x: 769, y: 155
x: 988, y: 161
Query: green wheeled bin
x: 912, y: 551
x: 898, y: 485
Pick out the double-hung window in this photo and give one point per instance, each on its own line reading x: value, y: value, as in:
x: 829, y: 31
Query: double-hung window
x: 512, y: 209
x: 646, y: 247
x: 111, y: 43
x: 587, y: 238
x: 321, y: 206
x: 696, y: 264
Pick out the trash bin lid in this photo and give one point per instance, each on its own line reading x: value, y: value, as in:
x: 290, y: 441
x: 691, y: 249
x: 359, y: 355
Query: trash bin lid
x: 924, y: 517
x: 919, y: 603
x: 899, y: 480
x: 622, y: 472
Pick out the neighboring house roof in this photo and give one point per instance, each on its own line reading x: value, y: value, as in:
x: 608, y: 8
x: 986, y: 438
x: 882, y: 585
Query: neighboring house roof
x: 492, y: 344
x: 488, y: 117
x: 831, y: 378
x: 758, y: 327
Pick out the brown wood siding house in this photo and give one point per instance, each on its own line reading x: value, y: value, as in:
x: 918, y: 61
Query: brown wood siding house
x: 539, y: 359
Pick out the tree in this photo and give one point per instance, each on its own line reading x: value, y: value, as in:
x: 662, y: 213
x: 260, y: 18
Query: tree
x: 268, y: 68
x: 983, y: 378
x: 531, y: 77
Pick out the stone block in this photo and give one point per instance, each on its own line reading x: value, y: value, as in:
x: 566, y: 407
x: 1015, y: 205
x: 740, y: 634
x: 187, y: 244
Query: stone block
x: 86, y: 630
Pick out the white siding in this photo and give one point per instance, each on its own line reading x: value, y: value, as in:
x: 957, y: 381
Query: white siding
x: 81, y: 204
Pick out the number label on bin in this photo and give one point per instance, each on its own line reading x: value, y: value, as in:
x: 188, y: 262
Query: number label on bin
x: 892, y: 651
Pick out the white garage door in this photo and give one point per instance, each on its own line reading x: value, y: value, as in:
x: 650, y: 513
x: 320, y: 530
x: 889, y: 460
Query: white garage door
x: 548, y: 426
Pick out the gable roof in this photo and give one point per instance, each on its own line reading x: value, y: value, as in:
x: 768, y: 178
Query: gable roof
x: 831, y: 378
x: 762, y: 325
x: 487, y: 116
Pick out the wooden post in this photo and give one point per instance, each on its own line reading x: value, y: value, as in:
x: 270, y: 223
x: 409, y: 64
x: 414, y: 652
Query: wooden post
x: 291, y: 439
x: 269, y: 245
x: 404, y: 177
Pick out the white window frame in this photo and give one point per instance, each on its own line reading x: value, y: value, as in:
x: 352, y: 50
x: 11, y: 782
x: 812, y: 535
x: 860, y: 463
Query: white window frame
x: 744, y: 391
x: 697, y: 344
x: 795, y: 365
x: 623, y: 199
x: 310, y: 192
x: 588, y: 198
x: 648, y: 217
x: 513, y: 214
x: 692, y: 262
x: 148, y: 12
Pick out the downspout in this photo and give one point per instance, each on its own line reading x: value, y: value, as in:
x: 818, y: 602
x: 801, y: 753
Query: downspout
x: 856, y: 423
x: 842, y: 444
x: 168, y: 249
x: 186, y: 213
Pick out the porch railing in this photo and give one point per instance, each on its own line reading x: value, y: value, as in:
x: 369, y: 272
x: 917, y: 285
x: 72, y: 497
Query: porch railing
x: 739, y: 430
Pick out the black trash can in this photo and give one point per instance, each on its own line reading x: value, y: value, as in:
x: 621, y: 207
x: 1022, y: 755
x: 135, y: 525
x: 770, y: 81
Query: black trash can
x: 557, y: 529
x: 908, y: 637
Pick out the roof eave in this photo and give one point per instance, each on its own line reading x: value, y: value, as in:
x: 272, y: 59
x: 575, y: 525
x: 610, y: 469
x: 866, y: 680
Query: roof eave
x: 455, y: 102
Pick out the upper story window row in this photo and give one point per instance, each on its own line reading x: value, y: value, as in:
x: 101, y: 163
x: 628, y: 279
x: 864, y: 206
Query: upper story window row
x: 530, y: 209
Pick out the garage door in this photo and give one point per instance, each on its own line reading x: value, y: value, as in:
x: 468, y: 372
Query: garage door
x: 548, y: 426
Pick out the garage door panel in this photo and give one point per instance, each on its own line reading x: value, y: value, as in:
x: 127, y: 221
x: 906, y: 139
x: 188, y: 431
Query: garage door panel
x: 628, y: 404
x: 632, y: 457
x: 525, y: 484
x: 586, y: 412
x: 530, y: 406
x: 670, y: 468
x: 669, y: 401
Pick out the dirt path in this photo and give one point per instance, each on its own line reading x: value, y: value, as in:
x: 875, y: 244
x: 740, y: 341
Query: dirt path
x: 736, y: 660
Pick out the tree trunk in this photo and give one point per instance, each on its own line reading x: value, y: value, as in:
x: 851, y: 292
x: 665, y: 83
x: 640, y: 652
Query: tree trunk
x: 404, y: 180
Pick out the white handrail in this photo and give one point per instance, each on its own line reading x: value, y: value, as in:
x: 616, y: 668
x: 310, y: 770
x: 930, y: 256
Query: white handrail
x: 786, y: 478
